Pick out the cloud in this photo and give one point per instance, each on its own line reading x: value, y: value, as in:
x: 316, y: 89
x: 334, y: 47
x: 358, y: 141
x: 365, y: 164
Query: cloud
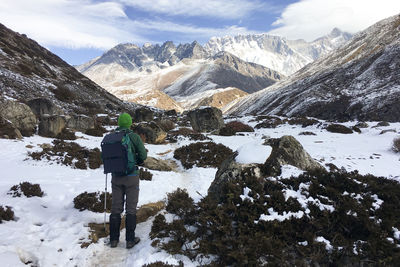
x: 310, y: 19
x: 68, y: 23
x: 227, y: 9
x: 86, y: 24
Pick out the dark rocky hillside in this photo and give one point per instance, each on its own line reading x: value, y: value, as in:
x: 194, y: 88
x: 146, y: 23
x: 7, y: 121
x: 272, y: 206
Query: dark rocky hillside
x: 28, y: 71
x: 361, y: 80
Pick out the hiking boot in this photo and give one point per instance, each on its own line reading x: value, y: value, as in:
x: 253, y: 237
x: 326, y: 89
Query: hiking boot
x: 115, y: 223
x: 131, y: 244
x: 114, y: 243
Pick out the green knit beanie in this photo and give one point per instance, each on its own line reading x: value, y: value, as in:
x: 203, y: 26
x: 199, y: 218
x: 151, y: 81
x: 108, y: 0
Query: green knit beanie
x: 125, y: 120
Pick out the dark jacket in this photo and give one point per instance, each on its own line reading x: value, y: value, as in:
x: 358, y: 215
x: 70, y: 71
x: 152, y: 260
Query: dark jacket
x: 140, y: 151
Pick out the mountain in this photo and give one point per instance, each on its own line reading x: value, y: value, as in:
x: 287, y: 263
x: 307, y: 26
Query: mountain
x: 175, y: 77
x: 277, y: 53
x: 29, y: 71
x: 361, y: 80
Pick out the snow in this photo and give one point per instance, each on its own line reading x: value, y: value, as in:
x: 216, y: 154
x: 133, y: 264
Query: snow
x: 253, y: 153
x: 327, y: 243
x: 48, y: 230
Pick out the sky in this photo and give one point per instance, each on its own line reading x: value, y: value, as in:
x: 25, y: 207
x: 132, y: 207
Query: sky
x: 80, y: 30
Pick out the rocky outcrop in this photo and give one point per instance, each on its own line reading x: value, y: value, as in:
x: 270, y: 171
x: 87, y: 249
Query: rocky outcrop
x: 41, y: 106
x: 51, y: 125
x: 143, y: 114
x: 80, y: 123
x: 20, y: 115
x: 8, y: 130
x: 287, y: 151
x: 206, y: 119
x: 159, y: 164
x: 150, y: 132
x: 229, y: 171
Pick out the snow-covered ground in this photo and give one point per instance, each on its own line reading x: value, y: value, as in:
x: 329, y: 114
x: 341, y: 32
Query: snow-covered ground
x: 48, y: 230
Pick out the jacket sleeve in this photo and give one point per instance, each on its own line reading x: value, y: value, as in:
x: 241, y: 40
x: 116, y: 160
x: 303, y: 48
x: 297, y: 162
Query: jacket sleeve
x: 139, y: 148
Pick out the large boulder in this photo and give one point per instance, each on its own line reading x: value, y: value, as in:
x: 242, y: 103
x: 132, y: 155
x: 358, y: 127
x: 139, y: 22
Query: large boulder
x: 228, y: 172
x: 143, y: 114
x: 287, y: 151
x: 8, y: 130
x: 159, y: 164
x: 42, y: 106
x: 206, y: 119
x: 80, y: 123
x: 150, y: 132
x: 51, y: 125
x: 20, y: 115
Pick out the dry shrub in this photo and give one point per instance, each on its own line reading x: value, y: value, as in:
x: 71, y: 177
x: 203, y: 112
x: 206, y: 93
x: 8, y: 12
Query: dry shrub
x: 92, y: 201
x: 270, y: 122
x: 181, y: 133
x: 145, y: 174
x: 232, y: 232
x: 233, y: 127
x: 307, y: 133
x: 70, y: 154
x: 303, y: 121
x: 396, y: 145
x: 66, y: 135
x: 64, y: 94
x: 162, y: 264
x: 338, y: 128
x: 202, y: 154
x: 98, y: 131
x: 6, y: 214
x: 27, y: 189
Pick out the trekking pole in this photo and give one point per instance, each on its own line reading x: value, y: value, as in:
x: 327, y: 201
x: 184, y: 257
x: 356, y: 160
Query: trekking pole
x: 105, y: 205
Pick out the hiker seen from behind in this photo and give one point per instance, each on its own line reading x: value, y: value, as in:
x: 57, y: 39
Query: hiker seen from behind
x: 122, y: 151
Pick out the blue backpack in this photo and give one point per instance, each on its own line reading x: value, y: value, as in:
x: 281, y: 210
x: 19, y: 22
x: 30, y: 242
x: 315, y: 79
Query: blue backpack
x: 118, y: 153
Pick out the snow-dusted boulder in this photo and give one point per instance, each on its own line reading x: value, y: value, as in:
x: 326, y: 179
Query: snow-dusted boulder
x: 206, y: 119
x: 41, y: 106
x: 51, y: 125
x: 80, y: 122
x: 287, y: 151
x: 20, y: 115
x: 8, y: 130
x: 151, y: 132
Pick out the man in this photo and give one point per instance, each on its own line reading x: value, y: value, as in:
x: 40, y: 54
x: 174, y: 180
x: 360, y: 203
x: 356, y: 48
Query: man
x: 126, y: 189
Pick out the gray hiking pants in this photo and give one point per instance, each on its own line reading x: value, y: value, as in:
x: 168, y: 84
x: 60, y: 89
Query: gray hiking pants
x: 125, y: 189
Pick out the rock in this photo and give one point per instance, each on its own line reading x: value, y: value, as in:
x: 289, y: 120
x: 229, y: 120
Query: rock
x: 147, y: 210
x: 388, y: 131
x: 166, y: 124
x: 159, y: 164
x: 51, y: 125
x: 171, y: 112
x: 8, y: 130
x: 338, y: 128
x: 287, y: 151
x: 362, y: 125
x: 382, y: 124
x: 151, y: 132
x: 41, y: 106
x: 206, y: 119
x: 229, y: 171
x: 80, y: 123
x: 143, y: 114
x: 20, y: 115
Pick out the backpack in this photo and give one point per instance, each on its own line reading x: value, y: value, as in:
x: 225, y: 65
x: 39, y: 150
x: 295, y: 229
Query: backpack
x: 117, y: 153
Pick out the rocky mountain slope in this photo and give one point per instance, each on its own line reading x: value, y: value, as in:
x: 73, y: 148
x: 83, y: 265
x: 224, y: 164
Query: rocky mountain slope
x: 171, y: 77
x: 277, y: 53
x: 361, y: 81
x: 28, y: 71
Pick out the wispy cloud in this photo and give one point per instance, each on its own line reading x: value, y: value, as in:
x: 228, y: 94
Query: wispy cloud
x: 67, y: 23
x: 89, y: 24
x: 310, y: 19
x: 210, y: 8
